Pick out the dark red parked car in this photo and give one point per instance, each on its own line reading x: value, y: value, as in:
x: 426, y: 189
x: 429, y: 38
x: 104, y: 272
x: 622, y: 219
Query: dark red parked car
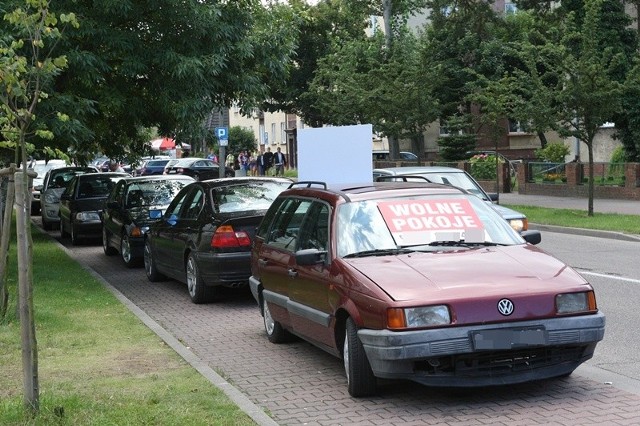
x: 418, y: 281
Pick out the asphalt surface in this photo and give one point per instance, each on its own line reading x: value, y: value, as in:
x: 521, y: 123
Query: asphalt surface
x: 298, y: 384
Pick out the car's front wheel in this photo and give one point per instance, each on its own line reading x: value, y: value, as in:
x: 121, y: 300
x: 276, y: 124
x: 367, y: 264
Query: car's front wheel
x: 198, y: 291
x: 108, y: 250
x: 275, y: 332
x: 360, y: 378
x: 125, y: 251
x: 150, y: 268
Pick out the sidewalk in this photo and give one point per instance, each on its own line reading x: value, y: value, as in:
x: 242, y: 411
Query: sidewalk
x: 599, y: 205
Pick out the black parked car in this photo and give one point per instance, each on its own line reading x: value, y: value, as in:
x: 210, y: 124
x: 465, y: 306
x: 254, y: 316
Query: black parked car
x: 125, y: 217
x: 204, y: 237
x: 81, y: 204
x: 197, y: 168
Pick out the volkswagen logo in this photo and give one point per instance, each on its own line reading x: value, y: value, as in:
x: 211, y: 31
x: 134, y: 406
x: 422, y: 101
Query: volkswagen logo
x: 505, y: 307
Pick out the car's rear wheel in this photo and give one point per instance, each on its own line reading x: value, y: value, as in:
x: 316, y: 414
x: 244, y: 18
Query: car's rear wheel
x: 360, y: 378
x: 150, y: 268
x: 275, y: 332
x: 198, y: 291
x: 46, y: 225
x: 108, y: 250
x: 75, y: 238
x: 125, y: 251
x: 63, y: 230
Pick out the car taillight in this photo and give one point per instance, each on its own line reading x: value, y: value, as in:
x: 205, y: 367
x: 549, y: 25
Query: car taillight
x: 226, y: 236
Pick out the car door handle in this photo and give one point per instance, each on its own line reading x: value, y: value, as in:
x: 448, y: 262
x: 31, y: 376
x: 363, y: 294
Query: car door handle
x: 292, y: 273
x: 262, y: 262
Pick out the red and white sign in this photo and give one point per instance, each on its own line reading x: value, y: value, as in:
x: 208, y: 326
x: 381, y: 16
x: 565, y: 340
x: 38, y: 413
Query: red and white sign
x: 423, y: 221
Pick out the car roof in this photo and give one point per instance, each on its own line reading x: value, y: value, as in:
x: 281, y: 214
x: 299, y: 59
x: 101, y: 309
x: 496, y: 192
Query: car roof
x: 102, y: 174
x: 418, y: 169
x: 241, y: 180
x: 368, y: 190
x: 159, y: 177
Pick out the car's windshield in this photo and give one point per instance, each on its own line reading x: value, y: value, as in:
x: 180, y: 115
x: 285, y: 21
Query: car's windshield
x: 421, y: 223
x: 254, y: 195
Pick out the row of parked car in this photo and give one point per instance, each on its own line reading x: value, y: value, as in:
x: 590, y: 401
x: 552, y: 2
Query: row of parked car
x: 416, y: 275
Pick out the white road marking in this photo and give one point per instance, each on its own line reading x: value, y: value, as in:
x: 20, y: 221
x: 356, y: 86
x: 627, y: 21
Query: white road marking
x: 613, y: 277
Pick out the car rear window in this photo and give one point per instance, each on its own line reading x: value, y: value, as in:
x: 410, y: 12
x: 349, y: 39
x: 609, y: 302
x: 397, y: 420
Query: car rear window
x: 247, y: 196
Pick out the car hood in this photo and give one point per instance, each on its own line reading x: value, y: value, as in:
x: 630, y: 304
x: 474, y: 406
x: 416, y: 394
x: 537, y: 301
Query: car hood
x: 476, y: 273
x: 57, y: 192
x: 506, y: 212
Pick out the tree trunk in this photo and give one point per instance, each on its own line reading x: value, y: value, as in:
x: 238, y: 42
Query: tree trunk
x: 591, y: 182
x: 543, y: 139
x: 25, y: 283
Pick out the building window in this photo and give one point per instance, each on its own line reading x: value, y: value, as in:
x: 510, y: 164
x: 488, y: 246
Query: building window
x: 283, y: 134
x: 518, y: 127
x: 273, y: 133
x: 262, y: 134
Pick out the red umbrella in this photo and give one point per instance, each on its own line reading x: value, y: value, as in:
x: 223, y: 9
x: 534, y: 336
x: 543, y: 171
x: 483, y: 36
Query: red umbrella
x: 167, y: 143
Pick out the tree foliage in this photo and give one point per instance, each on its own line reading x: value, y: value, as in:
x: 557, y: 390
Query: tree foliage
x: 163, y: 64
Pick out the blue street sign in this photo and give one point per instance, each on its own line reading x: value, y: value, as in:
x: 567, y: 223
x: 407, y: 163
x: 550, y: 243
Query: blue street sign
x: 223, y: 135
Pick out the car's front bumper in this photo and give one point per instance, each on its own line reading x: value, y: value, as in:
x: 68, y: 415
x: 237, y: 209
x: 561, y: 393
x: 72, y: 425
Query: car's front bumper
x: 450, y: 357
x: 50, y: 212
x: 90, y: 228
x: 224, y: 269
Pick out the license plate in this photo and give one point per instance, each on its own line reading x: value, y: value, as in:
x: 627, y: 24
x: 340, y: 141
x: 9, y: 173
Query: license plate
x: 509, y: 338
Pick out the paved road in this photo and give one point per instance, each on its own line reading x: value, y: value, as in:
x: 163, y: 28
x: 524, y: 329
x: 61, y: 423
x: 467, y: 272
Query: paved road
x: 299, y: 384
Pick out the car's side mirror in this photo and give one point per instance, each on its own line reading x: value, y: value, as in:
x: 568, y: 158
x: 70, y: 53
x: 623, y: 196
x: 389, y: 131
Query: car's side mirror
x: 308, y: 257
x: 494, y: 197
x: 532, y: 236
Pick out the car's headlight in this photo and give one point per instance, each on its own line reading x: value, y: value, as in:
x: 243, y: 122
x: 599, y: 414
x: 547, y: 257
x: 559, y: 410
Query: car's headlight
x: 570, y: 303
x: 423, y: 316
x: 87, y: 216
x: 51, y: 198
x: 519, y: 224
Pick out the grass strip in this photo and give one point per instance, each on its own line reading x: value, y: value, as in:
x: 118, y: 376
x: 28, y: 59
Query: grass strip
x: 629, y: 224
x: 97, y: 362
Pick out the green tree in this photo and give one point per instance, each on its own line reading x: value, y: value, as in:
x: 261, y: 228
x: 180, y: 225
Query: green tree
x: 241, y: 140
x: 165, y: 64
x: 28, y: 64
x: 319, y: 29
x: 452, y: 55
x: 587, y: 70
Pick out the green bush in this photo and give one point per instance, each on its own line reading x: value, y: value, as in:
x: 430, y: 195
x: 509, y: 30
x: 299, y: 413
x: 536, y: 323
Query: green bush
x: 483, y: 166
x: 617, y: 156
x: 554, y: 152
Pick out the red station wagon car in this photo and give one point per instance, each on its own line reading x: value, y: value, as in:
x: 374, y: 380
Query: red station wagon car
x: 418, y: 281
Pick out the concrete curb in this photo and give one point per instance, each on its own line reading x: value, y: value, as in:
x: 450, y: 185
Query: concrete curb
x: 586, y: 232
x: 256, y: 413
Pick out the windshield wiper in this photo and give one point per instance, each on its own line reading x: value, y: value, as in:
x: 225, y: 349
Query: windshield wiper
x: 463, y: 243
x: 380, y: 252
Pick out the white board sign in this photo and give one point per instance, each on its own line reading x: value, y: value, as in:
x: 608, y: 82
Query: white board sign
x: 340, y: 154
